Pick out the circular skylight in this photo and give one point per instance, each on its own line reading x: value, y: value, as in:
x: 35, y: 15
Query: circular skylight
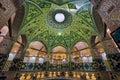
x: 59, y: 17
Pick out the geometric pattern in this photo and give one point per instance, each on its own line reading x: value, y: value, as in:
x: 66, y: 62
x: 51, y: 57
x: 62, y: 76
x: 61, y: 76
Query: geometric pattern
x: 35, y: 26
x: 59, y: 25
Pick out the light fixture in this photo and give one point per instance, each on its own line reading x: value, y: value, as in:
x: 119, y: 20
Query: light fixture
x: 50, y: 74
x: 58, y: 73
x: 54, y: 74
x: 93, y: 77
x: 38, y: 75
x: 74, y: 74
x: 42, y: 75
x: 59, y: 33
x: 78, y: 75
x: 59, y: 17
x: 66, y: 74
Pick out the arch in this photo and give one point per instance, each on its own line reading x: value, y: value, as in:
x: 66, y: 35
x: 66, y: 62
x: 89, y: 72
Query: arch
x: 18, y: 47
x: 77, y: 42
x: 59, y: 49
x: 53, y: 46
x: 35, y: 53
x: 3, y: 32
x: 59, y: 55
x: 99, y: 23
x: 80, y: 51
x: 97, y: 46
x: 18, y: 20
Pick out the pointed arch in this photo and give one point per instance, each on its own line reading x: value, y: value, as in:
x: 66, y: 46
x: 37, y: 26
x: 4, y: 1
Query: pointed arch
x: 99, y: 22
x: 36, y: 52
x: 97, y: 46
x: 18, y: 19
x: 18, y: 48
x: 59, y: 55
x: 80, y: 51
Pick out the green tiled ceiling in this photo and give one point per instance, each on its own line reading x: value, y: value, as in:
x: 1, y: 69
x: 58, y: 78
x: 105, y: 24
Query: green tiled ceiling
x: 35, y: 25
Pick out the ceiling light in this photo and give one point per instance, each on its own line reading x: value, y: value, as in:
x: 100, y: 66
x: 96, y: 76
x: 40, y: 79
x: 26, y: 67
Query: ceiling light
x: 59, y: 17
x: 59, y: 33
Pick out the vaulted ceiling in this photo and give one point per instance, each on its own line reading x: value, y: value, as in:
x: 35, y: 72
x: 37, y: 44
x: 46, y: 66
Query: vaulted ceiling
x: 40, y: 24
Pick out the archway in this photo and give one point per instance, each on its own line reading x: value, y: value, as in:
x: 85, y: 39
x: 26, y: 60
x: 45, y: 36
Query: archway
x: 59, y: 58
x: 18, y: 19
x: 99, y: 54
x: 99, y: 23
x: 15, y: 49
x: 81, y: 56
x: 35, y: 56
x: 36, y: 53
x: 80, y: 50
x: 97, y: 46
x: 14, y: 57
x: 59, y: 55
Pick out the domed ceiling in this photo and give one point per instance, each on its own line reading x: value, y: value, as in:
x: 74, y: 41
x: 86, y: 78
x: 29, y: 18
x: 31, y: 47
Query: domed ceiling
x: 58, y: 22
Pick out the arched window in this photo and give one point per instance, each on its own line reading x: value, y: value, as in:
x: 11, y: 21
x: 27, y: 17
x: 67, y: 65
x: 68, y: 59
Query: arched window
x: 81, y: 53
x: 59, y: 55
x: 3, y: 32
x: 36, y: 53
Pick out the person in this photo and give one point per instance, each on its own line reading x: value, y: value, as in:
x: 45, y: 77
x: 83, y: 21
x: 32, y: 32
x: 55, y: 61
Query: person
x: 3, y: 77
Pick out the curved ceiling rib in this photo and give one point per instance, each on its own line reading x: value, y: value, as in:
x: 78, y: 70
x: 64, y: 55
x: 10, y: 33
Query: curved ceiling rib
x: 38, y: 18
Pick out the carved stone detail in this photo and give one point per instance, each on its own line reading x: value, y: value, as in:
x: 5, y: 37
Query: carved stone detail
x: 6, y: 11
x: 110, y: 13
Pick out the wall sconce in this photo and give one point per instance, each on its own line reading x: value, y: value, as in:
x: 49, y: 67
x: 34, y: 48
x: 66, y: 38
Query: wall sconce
x: 87, y: 76
x: 42, y: 75
x: 54, y: 74
x: 22, y: 77
x: 66, y: 74
x: 28, y: 76
x: 78, y: 75
x: 38, y: 75
x: 58, y: 73
x: 74, y: 74
x: 50, y: 74
x: 93, y: 77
